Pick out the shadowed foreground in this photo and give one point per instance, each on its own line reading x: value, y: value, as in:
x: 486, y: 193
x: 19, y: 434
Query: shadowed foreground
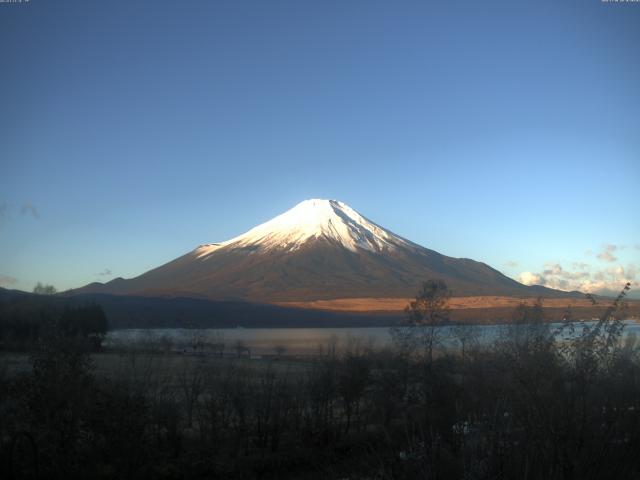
x: 525, y: 407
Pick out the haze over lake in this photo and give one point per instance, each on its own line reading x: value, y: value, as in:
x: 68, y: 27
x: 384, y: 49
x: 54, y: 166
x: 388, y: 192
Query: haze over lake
x: 299, y: 341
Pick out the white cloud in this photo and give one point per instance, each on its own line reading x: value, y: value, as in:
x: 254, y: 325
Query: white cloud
x: 583, y: 278
x: 607, y: 253
x: 529, y: 278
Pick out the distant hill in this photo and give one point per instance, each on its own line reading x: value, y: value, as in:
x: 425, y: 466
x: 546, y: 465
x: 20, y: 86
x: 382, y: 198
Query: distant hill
x: 9, y: 294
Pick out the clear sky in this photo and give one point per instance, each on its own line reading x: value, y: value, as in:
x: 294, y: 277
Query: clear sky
x: 503, y: 131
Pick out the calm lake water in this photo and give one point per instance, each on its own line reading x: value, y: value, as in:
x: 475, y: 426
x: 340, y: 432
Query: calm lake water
x: 298, y: 341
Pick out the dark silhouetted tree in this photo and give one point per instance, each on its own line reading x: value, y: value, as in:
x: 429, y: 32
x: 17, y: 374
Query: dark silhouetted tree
x: 43, y: 289
x: 429, y: 311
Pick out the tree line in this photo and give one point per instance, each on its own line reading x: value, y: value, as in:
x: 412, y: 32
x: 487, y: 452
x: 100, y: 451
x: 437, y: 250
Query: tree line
x: 26, y: 320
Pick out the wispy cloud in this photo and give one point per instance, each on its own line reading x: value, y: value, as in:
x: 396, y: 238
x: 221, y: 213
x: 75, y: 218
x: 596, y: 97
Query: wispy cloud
x: 105, y: 273
x: 580, y: 266
x: 7, y: 280
x: 511, y: 264
x: 607, y: 253
x: 9, y: 211
x: 29, y: 209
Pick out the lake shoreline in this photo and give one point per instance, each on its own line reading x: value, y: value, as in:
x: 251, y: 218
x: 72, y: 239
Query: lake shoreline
x: 300, y: 340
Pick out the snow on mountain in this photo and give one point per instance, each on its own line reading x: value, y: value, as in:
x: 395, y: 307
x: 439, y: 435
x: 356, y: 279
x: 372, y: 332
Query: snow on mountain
x: 206, y: 249
x: 315, y: 218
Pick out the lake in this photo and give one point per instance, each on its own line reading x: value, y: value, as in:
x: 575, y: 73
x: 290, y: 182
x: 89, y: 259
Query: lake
x: 296, y: 341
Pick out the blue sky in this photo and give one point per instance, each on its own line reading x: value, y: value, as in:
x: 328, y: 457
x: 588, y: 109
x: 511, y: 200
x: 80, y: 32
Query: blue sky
x: 507, y: 132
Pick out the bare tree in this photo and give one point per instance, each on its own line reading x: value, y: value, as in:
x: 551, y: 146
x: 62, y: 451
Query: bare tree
x: 353, y: 378
x: 428, y: 312
x: 191, y: 380
x: 241, y: 349
x: 196, y: 340
x: 218, y: 343
x: 467, y: 336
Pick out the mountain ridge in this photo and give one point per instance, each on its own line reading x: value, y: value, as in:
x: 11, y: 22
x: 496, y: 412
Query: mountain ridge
x: 318, y: 250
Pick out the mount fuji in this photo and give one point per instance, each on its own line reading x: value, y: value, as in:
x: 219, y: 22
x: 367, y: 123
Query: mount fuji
x: 318, y: 250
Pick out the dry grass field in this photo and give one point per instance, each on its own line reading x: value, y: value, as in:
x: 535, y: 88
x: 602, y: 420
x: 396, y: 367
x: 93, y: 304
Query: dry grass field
x: 456, y: 303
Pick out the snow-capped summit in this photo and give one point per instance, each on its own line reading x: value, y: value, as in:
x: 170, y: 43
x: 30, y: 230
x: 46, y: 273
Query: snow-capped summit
x: 316, y: 218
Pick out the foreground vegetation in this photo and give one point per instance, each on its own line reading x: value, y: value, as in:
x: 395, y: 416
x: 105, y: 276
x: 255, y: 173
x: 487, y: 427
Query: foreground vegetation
x: 525, y: 407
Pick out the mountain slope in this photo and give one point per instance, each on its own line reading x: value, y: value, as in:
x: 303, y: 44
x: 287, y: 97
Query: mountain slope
x: 320, y: 249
